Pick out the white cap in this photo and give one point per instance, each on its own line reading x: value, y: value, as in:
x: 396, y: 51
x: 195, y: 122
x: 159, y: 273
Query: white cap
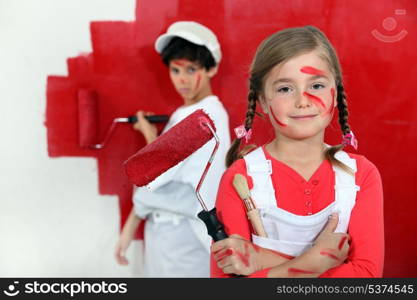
x: 192, y: 32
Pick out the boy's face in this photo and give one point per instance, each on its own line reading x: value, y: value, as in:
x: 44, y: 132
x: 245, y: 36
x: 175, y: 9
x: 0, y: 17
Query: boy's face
x: 190, y: 79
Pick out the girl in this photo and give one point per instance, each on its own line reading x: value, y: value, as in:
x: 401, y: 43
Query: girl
x: 309, y: 194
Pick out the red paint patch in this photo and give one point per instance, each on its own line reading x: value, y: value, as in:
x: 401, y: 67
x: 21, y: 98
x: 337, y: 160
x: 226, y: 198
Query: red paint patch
x: 245, y: 256
x: 179, y: 62
x: 315, y: 99
x: 311, y: 70
x: 342, y: 242
x: 332, y: 105
x: 114, y: 71
x: 198, y: 81
x: 220, y: 256
x: 276, y: 119
x: 328, y: 254
x: 299, y: 271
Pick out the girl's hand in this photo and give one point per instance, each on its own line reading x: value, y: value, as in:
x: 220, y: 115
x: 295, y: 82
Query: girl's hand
x: 332, y: 246
x: 149, y: 131
x: 235, y: 255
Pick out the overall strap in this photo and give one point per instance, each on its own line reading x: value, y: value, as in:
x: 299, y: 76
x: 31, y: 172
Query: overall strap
x: 260, y: 169
x: 345, y: 190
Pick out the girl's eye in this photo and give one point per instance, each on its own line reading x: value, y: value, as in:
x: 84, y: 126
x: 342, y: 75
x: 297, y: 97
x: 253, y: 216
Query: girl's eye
x: 284, y: 89
x: 317, y: 86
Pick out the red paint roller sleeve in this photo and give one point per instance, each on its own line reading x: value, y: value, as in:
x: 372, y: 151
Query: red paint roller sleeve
x: 169, y: 149
x: 88, y: 117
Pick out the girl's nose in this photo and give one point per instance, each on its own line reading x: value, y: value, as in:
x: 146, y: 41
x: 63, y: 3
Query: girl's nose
x: 302, y: 100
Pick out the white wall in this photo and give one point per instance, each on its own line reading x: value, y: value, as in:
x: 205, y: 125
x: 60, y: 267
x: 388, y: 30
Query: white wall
x: 53, y: 223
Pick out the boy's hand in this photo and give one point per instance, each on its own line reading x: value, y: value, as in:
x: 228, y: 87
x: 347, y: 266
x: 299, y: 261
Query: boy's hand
x: 122, y: 245
x: 149, y: 131
x: 332, y: 246
x: 235, y: 255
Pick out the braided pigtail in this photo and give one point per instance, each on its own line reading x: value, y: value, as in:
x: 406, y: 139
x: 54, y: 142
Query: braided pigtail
x: 343, y: 121
x: 234, y: 154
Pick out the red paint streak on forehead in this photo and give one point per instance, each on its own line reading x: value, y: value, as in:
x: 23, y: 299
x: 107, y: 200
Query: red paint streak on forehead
x: 179, y: 62
x: 311, y: 70
x: 276, y: 119
x: 315, y: 99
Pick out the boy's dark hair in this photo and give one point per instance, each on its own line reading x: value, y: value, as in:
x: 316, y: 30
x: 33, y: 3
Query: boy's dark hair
x: 179, y: 48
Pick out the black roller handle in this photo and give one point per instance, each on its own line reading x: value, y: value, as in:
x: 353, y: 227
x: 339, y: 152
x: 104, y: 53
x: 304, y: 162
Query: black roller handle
x: 215, y: 229
x: 151, y: 119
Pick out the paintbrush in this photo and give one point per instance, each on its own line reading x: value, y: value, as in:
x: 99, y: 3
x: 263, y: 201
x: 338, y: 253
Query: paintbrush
x: 241, y: 186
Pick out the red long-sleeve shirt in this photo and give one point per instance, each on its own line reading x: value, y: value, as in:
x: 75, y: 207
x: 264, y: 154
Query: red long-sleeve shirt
x: 298, y: 196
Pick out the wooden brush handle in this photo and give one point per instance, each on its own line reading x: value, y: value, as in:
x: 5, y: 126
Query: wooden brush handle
x: 256, y: 221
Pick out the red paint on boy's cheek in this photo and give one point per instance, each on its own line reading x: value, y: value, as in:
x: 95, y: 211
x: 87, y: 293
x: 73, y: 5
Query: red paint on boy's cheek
x: 276, y: 119
x: 299, y: 271
x: 311, y: 70
x: 315, y: 99
x: 197, y: 85
x: 342, y: 242
x: 328, y: 254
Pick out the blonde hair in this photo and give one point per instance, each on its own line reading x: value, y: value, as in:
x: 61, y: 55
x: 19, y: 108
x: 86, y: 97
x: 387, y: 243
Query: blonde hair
x: 278, y: 48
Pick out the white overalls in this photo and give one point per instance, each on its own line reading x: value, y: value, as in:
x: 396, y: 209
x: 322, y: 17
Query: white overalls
x: 289, y: 233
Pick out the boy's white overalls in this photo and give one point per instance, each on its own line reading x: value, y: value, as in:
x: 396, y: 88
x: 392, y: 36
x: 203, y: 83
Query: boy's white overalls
x: 289, y: 233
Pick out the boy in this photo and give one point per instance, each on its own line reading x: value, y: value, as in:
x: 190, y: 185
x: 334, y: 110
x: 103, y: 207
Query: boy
x: 176, y: 241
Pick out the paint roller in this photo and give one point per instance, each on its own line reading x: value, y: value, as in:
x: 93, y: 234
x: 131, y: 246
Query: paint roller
x: 170, y: 149
x: 88, y: 120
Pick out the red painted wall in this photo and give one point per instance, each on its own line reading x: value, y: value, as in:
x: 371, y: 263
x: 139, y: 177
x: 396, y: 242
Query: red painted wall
x: 380, y: 77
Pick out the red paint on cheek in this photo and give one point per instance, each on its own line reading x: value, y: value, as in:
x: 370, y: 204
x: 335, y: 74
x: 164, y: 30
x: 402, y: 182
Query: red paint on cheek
x: 198, y: 81
x: 342, y: 242
x: 299, y: 271
x: 276, y: 119
x: 315, y: 99
x: 311, y: 70
x: 331, y: 110
x: 328, y: 254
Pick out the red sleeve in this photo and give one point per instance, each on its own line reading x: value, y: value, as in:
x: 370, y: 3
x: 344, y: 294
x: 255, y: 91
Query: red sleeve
x: 231, y: 212
x: 366, y: 227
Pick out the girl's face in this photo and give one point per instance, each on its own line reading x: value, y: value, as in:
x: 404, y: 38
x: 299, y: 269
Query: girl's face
x: 300, y: 96
x: 189, y: 79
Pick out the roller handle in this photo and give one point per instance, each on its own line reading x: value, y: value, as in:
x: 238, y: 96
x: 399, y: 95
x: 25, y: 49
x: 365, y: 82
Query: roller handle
x: 151, y: 119
x: 214, y: 228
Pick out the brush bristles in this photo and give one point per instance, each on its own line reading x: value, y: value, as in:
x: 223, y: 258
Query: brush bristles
x: 241, y: 185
